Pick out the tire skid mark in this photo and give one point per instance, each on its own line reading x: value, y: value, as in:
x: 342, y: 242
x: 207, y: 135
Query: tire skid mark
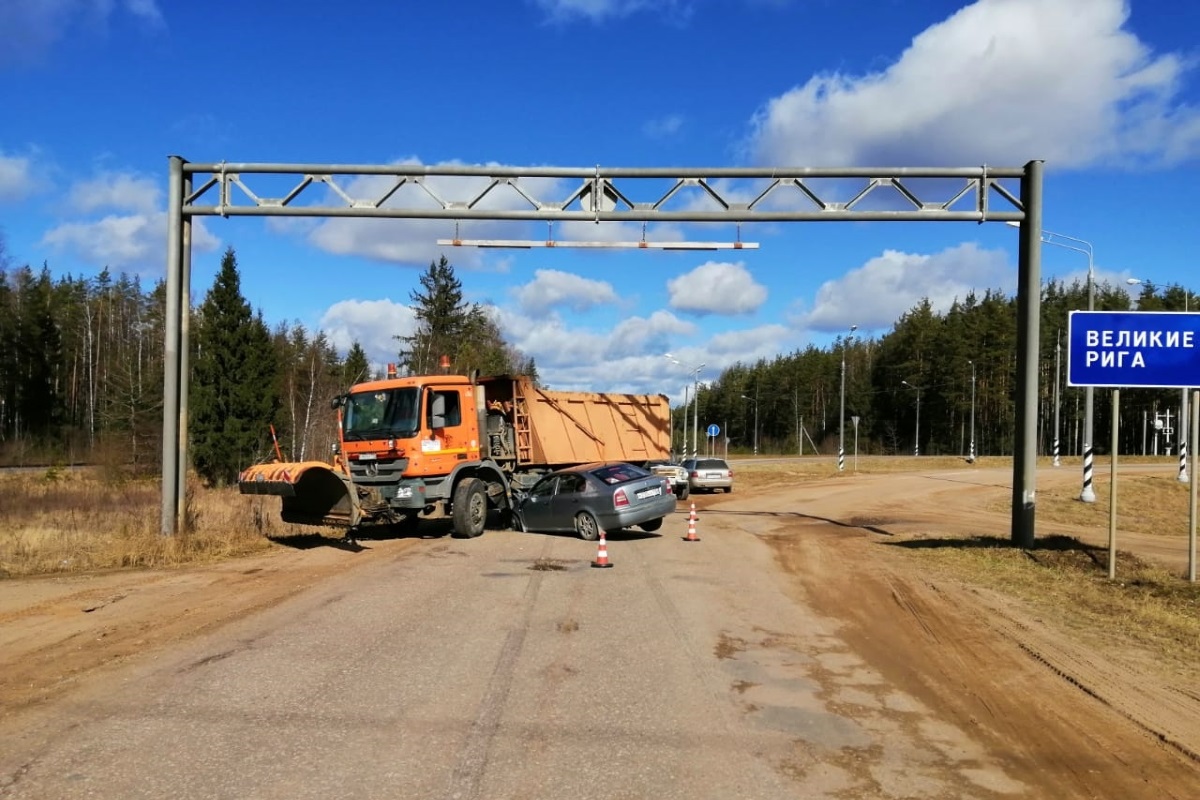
x: 1158, y: 710
x: 471, y: 762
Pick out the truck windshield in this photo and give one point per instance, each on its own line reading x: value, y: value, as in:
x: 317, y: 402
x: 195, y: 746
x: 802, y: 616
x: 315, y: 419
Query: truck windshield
x: 384, y: 414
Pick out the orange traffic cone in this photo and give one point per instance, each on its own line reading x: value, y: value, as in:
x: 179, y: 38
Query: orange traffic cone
x: 691, y: 536
x: 602, y: 553
x: 693, y: 514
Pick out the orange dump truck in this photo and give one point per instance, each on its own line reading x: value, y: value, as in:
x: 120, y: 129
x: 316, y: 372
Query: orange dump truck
x: 447, y: 445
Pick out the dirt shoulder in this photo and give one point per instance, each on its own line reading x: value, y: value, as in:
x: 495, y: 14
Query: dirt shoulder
x: 1018, y: 677
x: 56, y: 633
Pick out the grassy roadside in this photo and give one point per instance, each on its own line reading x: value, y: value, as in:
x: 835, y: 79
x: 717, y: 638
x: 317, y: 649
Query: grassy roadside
x: 62, y: 522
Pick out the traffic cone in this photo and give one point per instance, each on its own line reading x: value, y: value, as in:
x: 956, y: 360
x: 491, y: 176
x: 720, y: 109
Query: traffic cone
x: 602, y: 553
x: 692, y: 516
x: 691, y: 536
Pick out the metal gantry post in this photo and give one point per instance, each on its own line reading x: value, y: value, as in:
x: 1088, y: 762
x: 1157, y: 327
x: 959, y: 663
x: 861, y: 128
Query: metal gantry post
x: 1029, y: 280
x: 173, y: 447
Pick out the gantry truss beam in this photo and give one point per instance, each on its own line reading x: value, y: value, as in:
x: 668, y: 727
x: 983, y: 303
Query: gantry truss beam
x: 719, y: 194
x: 599, y: 194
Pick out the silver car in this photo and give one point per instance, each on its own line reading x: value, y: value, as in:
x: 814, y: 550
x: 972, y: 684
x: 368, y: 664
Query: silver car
x: 593, y: 497
x: 709, y: 474
x: 677, y: 474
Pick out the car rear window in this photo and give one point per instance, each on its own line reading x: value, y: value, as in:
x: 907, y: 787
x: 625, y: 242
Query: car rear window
x: 711, y: 463
x: 619, y: 473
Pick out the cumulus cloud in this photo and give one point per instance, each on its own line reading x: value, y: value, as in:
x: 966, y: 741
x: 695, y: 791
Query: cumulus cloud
x: 118, y: 192
x: 874, y: 295
x: 134, y: 242
x: 717, y: 288
x: 32, y: 27
x: 999, y: 82
x: 374, y: 324
x: 16, y: 178
x: 551, y: 288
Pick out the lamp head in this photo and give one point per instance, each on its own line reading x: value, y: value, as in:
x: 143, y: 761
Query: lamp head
x: 1133, y: 281
x: 853, y: 328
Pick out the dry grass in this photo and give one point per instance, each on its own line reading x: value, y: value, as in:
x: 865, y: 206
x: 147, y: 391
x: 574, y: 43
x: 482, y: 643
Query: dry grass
x: 60, y: 522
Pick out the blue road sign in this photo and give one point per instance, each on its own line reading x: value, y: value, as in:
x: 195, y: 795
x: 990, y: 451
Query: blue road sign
x: 714, y: 430
x: 1145, y: 349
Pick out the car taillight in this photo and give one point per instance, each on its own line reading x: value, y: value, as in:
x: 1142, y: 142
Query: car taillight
x: 667, y: 484
x: 695, y: 474
x: 731, y: 473
x: 619, y: 498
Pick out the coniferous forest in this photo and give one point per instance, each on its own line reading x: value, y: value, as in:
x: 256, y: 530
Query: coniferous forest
x: 81, y: 369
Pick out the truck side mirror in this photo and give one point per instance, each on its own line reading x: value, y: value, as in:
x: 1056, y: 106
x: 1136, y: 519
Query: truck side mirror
x: 338, y: 401
x: 437, y: 411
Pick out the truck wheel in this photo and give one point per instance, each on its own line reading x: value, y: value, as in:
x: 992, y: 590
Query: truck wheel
x: 470, y: 508
x: 652, y: 525
x: 587, y: 527
x: 684, y: 491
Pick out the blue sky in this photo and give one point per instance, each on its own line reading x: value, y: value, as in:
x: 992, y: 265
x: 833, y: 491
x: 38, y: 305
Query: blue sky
x: 97, y: 93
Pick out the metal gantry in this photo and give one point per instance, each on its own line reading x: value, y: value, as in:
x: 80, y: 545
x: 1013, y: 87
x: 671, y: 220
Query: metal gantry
x: 460, y: 193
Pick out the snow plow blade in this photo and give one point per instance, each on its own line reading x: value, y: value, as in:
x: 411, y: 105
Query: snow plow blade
x: 313, y: 492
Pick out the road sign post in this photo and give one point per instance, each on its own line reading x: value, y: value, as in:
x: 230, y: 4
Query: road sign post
x: 1142, y: 349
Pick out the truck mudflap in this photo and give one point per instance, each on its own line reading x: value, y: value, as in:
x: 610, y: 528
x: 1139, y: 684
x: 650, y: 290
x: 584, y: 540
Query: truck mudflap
x: 312, y: 492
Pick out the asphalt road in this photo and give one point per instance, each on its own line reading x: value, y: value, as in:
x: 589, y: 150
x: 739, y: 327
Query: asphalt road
x: 499, y: 667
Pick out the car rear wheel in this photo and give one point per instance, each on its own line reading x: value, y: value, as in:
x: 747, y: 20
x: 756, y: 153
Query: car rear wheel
x: 652, y: 525
x: 684, y: 491
x: 470, y: 508
x: 587, y: 527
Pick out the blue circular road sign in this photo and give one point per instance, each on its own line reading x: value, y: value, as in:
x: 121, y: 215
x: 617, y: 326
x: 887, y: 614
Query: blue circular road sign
x: 714, y: 430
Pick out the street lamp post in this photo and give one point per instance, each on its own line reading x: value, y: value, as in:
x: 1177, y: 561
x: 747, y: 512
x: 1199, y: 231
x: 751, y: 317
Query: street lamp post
x: 971, y: 451
x: 695, y: 373
x: 917, y: 433
x: 755, y: 401
x: 1183, y: 403
x: 842, y: 418
x: 1088, y: 494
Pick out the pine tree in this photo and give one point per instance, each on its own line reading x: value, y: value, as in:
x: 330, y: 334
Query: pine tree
x: 441, y: 316
x: 234, y: 394
x: 356, y: 368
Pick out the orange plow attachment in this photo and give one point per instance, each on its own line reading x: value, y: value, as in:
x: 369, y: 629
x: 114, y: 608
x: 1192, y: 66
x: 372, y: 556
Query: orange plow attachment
x: 313, y: 492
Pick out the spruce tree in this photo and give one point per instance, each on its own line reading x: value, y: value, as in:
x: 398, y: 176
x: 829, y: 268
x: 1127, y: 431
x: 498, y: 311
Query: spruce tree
x: 356, y: 368
x: 233, y: 395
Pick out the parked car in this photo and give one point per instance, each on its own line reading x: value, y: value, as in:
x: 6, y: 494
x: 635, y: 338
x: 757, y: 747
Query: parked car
x: 677, y: 475
x: 708, y: 474
x: 594, y: 497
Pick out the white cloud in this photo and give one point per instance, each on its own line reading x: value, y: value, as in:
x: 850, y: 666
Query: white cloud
x: 874, y: 295
x: 16, y: 178
x: 663, y: 127
x: 551, y: 288
x: 647, y: 335
x: 135, y: 242
x: 717, y: 288
x: 597, y: 10
x: 116, y: 191
x: 374, y: 324
x: 999, y: 82
x: 32, y: 27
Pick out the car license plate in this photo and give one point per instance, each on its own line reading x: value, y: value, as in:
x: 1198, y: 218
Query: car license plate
x: 714, y: 474
x: 642, y: 495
